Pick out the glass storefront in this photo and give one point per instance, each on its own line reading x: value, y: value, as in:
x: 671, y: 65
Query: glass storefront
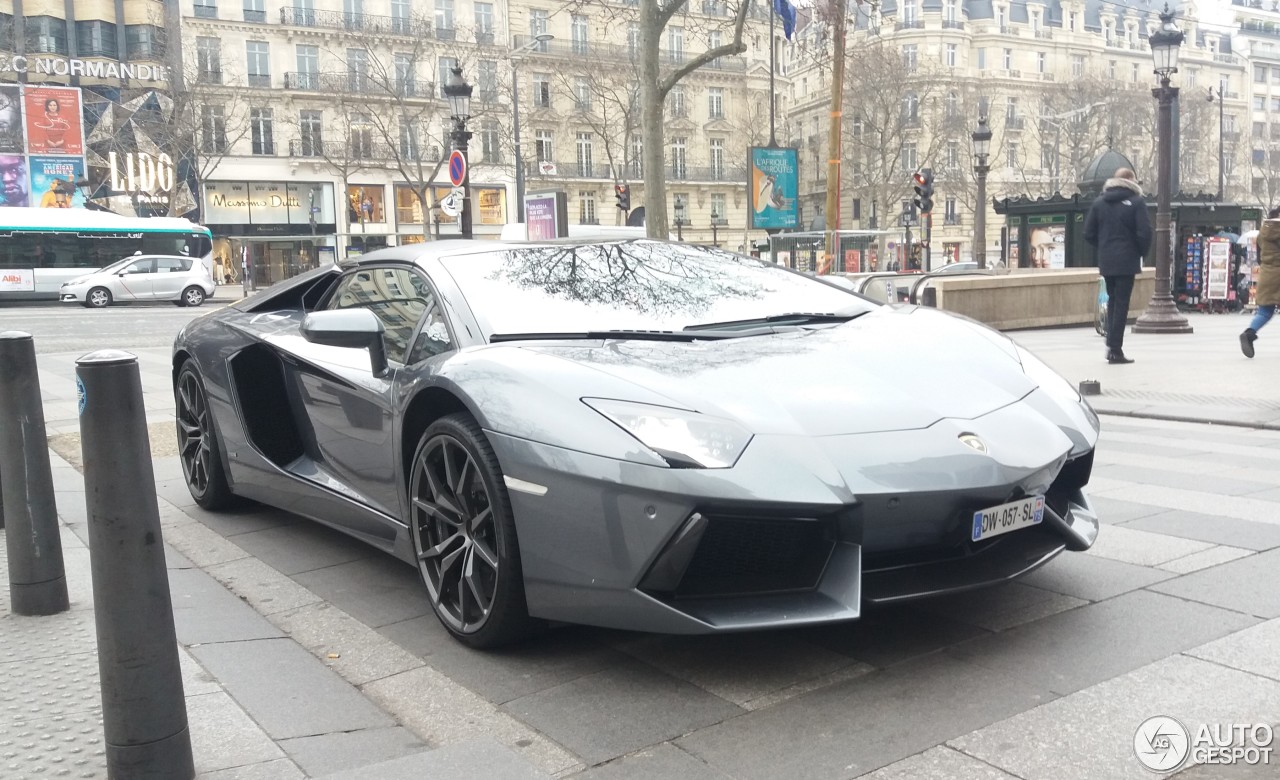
x: 275, y: 230
x: 489, y: 206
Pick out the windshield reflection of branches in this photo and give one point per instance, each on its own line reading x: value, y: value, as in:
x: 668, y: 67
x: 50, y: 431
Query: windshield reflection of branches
x: 649, y: 278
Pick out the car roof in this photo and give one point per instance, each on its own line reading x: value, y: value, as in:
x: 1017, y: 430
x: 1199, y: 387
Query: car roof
x: 434, y: 250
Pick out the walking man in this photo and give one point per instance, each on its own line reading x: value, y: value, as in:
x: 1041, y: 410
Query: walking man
x: 1268, y: 280
x: 1119, y: 228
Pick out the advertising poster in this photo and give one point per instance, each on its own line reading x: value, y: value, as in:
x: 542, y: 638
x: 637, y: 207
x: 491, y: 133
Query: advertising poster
x: 10, y: 120
x: 852, y: 261
x: 546, y: 216
x: 1048, y: 246
x: 14, y: 187
x: 775, y: 186
x: 53, y: 182
x: 1217, y: 268
x: 53, y: 120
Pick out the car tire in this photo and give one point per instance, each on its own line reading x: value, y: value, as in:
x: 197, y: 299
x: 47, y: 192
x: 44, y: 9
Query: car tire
x: 464, y: 536
x: 198, y: 447
x: 192, y: 296
x: 98, y: 298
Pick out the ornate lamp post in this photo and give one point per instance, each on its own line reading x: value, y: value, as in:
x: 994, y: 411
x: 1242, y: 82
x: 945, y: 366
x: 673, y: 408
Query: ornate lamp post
x: 715, y: 227
x: 981, y: 148
x: 458, y: 92
x: 535, y: 43
x: 1162, y: 315
x: 681, y: 221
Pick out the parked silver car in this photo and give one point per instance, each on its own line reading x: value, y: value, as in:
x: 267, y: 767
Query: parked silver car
x: 182, y: 280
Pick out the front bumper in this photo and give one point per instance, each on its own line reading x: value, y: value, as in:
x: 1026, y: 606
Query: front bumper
x: 71, y: 295
x: 785, y: 538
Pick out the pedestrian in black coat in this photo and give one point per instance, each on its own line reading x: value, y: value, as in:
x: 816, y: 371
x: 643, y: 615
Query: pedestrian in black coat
x: 1119, y: 228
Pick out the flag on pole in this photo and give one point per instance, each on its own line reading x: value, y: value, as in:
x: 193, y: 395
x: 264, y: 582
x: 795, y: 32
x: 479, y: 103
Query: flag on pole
x: 787, y: 12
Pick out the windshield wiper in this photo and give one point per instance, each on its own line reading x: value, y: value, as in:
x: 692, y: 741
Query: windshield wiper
x: 794, y: 318
x: 634, y: 335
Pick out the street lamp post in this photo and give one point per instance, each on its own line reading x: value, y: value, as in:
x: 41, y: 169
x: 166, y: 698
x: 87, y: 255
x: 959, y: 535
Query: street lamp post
x: 1162, y: 315
x: 1222, y: 131
x: 715, y: 228
x: 535, y: 43
x: 981, y: 148
x: 680, y: 218
x: 458, y: 92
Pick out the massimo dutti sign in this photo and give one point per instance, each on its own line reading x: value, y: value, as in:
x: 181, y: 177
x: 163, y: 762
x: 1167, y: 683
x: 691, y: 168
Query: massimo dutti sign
x: 62, y: 66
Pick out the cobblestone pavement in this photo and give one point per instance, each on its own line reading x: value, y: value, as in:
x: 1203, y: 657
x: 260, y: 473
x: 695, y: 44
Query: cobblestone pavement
x: 1175, y: 611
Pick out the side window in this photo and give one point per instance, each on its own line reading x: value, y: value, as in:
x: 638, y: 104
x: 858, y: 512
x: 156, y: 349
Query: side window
x: 172, y: 264
x: 398, y: 296
x: 434, y: 338
x: 141, y: 267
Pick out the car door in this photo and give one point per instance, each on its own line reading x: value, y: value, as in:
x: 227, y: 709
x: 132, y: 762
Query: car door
x: 136, y: 281
x: 170, y: 277
x: 348, y: 411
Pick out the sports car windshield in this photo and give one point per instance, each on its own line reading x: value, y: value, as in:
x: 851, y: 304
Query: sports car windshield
x: 634, y: 285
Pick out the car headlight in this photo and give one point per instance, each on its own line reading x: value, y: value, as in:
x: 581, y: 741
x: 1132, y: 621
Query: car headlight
x: 1057, y: 388
x: 682, y: 438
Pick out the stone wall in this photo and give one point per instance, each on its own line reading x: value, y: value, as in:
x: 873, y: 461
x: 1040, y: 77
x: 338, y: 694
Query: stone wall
x: 1027, y: 298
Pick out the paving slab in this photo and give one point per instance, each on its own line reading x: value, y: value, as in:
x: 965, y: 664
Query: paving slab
x: 1252, y: 650
x: 885, y: 636
x: 299, y: 547
x: 1143, y: 548
x: 862, y: 725
x: 377, y: 591
x: 1089, y: 735
x: 344, y: 644
x: 265, y: 589
x: 1214, y: 556
x: 620, y: 710
x: 939, y: 763
x: 1114, y: 511
x: 245, y: 519
x: 286, y: 690
x: 1210, y: 528
x: 280, y: 769
x: 1247, y: 585
x: 1206, y: 482
x: 203, y: 611
x: 478, y: 759
x: 661, y: 762
x: 340, y: 751
x: 1092, y: 578
x: 559, y: 656
x: 1002, y: 607
x: 1241, y: 507
x: 1122, y: 633
x: 224, y: 737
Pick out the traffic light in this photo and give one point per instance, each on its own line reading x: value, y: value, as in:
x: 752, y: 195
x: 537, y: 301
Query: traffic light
x: 923, y: 179
x: 624, y: 196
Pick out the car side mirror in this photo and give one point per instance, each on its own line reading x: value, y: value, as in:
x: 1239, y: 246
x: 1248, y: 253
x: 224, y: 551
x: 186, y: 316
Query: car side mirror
x: 351, y: 328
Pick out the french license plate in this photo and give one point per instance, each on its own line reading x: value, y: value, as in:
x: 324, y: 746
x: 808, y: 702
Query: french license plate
x: 1007, y: 517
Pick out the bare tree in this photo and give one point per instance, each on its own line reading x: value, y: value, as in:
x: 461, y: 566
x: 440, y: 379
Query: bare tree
x: 606, y: 95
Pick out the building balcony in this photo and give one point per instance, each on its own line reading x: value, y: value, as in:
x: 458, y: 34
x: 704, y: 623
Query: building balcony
x: 1014, y: 122
x: 543, y: 170
x: 612, y: 54
x: 251, y: 15
x: 355, y: 84
x: 355, y: 23
x: 259, y: 80
x: 952, y: 24
x: 208, y: 76
x: 914, y: 24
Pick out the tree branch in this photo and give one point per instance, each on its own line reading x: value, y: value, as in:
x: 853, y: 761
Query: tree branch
x: 734, y: 47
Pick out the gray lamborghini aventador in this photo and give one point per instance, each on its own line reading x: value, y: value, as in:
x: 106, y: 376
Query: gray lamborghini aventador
x: 636, y: 434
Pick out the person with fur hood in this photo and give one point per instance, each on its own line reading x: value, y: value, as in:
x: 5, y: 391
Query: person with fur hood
x: 1119, y: 228
x: 1268, y: 279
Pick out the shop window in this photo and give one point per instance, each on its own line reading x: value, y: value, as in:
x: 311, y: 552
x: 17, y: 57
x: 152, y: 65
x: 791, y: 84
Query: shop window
x: 365, y: 204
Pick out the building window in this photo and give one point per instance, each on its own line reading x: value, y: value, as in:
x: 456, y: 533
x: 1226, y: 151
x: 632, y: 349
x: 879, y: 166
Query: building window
x: 1111, y: 70
x: 1002, y: 19
x: 679, y: 167
x: 582, y: 93
x: 677, y: 101
x: 1042, y: 62
x: 578, y: 30
x: 542, y: 146
x: 715, y: 102
x: 261, y: 131
x: 907, y: 158
x: 1011, y: 156
x: 951, y: 55
x: 911, y: 108
x: 1011, y: 110
x: 205, y: 9
x: 984, y: 106
x: 542, y: 90
x: 444, y: 68
x: 1134, y: 71
x: 949, y: 214
x: 444, y: 20
x: 953, y: 155
x: 487, y: 80
x: 586, y: 165
x: 258, y: 56
x: 1275, y: 75
x: 209, y: 60
x: 1071, y: 21
x: 1259, y: 129
x: 1077, y: 66
x: 360, y: 137
x: 401, y: 17
x: 1006, y: 61
x: 353, y: 14
x: 538, y: 26
x: 308, y: 76
x: 951, y: 105
x: 717, y: 159
x: 410, y: 148
x: 587, y: 208
x: 910, y: 13
x: 951, y: 12
x: 675, y: 43
x: 213, y: 130
x: 490, y: 150
x: 310, y: 133
x: 484, y: 22
x: 96, y: 39
x: 406, y: 79
x: 719, y: 208
x: 633, y: 38
x: 910, y: 56
x: 1259, y: 103
x: 982, y: 59
x: 1046, y: 157
x: 637, y: 158
x: 255, y: 11
x: 357, y: 70
x: 143, y: 41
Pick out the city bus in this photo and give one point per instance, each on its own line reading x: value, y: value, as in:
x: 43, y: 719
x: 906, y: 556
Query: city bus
x: 42, y: 248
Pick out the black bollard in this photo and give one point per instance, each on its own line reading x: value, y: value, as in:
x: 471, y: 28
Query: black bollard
x: 143, y: 707
x: 37, y: 577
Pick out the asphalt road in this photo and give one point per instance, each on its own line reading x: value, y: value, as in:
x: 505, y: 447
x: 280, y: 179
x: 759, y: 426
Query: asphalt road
x: 71, y: 328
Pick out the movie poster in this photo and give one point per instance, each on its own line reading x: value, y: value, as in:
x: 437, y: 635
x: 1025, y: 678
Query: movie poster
x: 53, y: 120
x: 53, y: 182
x: 13, y: 181
x: 10, y: 120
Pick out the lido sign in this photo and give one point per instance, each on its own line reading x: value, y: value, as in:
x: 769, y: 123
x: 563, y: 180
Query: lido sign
x: 59, y: 66
x: 140, y: 172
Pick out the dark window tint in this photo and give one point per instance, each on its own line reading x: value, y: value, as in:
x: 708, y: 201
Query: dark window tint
x: 93, y: 250
x: 398, y: 296
x: 171, y: 264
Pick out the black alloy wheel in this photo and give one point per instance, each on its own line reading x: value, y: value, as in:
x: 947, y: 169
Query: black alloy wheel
x: 464, y: 535
x: 198, y: 443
